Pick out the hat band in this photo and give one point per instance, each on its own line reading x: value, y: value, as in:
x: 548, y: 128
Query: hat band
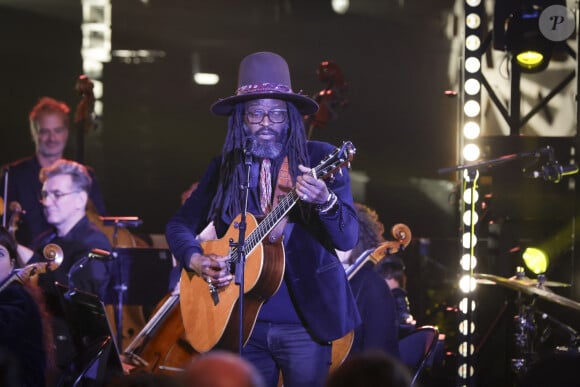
x: 258, y: 88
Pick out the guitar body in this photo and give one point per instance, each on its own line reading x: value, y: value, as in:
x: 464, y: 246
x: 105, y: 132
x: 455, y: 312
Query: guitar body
x: 207, y: 324
x: 340, y: 350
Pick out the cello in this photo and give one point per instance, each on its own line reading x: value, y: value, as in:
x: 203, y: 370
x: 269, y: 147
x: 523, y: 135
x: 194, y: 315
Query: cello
x: 161, y: 346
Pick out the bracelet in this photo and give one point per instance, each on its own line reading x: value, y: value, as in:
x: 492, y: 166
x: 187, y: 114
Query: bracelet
x: 328, y: 205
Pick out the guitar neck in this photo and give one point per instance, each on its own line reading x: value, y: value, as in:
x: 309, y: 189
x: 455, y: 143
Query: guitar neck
x: 271, y: 220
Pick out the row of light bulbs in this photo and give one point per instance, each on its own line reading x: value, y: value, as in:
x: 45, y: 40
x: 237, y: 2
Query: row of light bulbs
x: 471, y: 130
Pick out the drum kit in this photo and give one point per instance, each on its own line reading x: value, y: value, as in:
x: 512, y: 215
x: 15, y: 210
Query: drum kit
x: 526, y: 321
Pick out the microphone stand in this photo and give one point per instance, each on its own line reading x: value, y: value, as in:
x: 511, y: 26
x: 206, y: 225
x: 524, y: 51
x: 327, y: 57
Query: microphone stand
x: 240, y: 248
x: 74, y: 268
x: 497, y: 161
x: 121, y: 286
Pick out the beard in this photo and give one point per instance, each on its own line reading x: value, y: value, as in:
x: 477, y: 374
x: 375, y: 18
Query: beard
x: 268, y: 149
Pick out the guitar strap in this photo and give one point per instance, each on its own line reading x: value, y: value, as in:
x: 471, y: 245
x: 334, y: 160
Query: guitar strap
x: 283, y: 186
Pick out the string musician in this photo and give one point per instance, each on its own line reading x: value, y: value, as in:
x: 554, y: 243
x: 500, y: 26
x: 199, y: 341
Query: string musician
x: 311, y: 304
x: 376, y: 304
x: 25, y: 334
x: 65, y: 192
x: 49, y: 129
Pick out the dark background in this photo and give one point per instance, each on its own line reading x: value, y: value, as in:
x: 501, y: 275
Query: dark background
x: 157, y: 135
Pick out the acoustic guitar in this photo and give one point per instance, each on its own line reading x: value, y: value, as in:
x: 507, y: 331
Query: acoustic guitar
x: 209, y: 314
x: 402, y: 234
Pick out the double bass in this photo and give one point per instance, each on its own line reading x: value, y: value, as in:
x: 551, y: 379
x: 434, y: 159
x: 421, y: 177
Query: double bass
x: 84, y: 121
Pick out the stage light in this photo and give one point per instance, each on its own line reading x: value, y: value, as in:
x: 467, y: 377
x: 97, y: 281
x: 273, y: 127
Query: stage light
x: 536, y: 260
x: 464, y: 348
x: 472, y: 64
x: 471, y: 108
x: 526, y: 43
x: 468, y: 240
x: 463, y: 305
x: 463, y: 327
x: 467, y: 284
x: 467, y: 195
x: 470, y: 217
x: 472, y: 42
x: 340, y: 6
x: 471, y: 130
x: 471, y: 152
x: 467, y: 263
x: 473, y: 21
x: 472, y: 86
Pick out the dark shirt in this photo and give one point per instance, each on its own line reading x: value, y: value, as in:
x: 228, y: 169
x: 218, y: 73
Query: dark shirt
x: 315, y: 291
x: 21, y: 335
x: 376, y: 305
x: 403, y: 311
x: 92, y: 276
x: 24, y: 187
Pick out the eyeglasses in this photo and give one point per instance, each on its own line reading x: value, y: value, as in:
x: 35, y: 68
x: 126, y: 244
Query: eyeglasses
x: 276, y: 116
x: 56, y: 195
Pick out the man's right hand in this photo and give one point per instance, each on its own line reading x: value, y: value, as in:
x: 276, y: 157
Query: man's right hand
x: 212, y: 268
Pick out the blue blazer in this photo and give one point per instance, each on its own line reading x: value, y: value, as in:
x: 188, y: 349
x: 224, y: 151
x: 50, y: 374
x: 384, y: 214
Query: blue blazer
x: 315, y: 279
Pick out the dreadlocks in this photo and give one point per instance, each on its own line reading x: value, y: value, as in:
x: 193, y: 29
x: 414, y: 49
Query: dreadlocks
x: 227, y: 201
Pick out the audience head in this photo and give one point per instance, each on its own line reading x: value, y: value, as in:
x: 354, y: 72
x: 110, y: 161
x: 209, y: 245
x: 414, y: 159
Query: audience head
x: 372, y: 368
x: 144, y: 379
x: 221, y: 369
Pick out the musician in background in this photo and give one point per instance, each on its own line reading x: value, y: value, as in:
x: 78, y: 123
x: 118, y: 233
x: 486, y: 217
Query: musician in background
x: 375, y: 302
x: 313, y: 305
x: 49, y: 128
x: 25, y: 336
x: 392, y: 270
x: 65, y: 192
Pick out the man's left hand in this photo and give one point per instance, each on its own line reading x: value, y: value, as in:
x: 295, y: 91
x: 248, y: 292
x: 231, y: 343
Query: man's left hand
x: 311, y: 189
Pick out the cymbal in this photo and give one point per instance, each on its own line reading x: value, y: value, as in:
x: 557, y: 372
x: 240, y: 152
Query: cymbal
x: 524, y: 286
x: 488, y: 279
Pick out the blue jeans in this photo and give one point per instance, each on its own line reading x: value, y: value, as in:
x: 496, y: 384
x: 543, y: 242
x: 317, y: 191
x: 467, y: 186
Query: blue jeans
x: 290, y: 349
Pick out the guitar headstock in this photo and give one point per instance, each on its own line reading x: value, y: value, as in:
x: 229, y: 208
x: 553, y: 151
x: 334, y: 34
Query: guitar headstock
x: 341, y: 157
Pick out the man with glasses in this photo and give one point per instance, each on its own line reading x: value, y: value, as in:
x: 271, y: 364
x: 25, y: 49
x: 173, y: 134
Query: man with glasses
x: 64, y: 195
x: 313, y: 304
x: 49, y: 128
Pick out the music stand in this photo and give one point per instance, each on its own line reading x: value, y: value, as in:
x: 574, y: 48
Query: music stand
x: 145, y: 272
x: 97, y: 358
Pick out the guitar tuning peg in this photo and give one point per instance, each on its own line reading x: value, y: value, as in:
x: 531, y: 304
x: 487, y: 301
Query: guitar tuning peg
x: 340, y: 172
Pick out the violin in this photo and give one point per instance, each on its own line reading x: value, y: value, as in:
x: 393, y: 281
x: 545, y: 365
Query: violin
x: 330, y: 99
x: 54, y: 255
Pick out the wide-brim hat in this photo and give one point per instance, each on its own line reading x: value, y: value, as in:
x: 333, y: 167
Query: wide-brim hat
x: 264, y: 75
